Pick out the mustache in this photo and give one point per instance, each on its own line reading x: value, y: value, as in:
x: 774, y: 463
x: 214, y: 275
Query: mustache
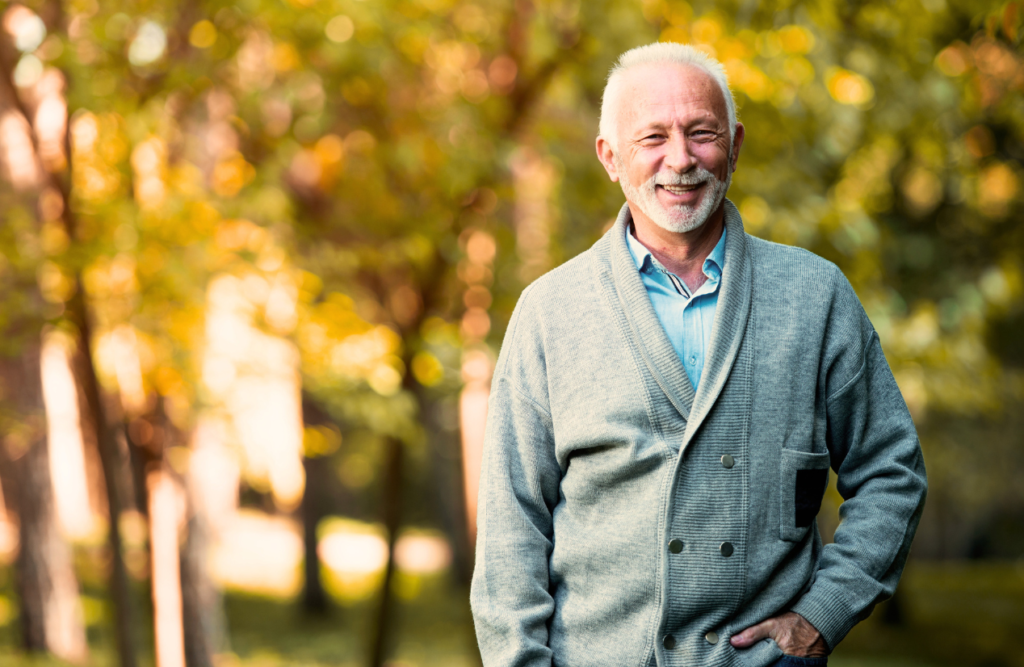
x: 695, y: 177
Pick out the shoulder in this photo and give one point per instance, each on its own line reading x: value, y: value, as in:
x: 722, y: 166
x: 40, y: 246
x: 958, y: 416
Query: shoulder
x: 806, y: 289
x: 775, y: 260
x: 571, y: 275
x: 551, y: 306
x: 788, y: 274
x: 565, y: 289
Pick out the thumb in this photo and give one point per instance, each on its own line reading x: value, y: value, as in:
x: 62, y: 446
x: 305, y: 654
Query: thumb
x: 753, y: 634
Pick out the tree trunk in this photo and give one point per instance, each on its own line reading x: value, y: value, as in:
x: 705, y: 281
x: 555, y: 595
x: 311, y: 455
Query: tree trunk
x: 77, y: 311
x: 202, y: 606
x: 314, y: 508
x: 392, y: 504
x: 166, y: 505
x: 447, y: 484
x: 110, y: 457
x: 316, y: 504
x: 189, y: 624
x: 51, y: 613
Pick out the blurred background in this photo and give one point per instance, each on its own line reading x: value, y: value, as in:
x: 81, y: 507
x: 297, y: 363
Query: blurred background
x: 257, y: 259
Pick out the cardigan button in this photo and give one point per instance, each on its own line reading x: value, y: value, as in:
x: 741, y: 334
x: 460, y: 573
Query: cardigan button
x: 726, y: 549
x: 712, y: 637
x: 675, y: 546
x: 728, y: 461
x: 669, y: 642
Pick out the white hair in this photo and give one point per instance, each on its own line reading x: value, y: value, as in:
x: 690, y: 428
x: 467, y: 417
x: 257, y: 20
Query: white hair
x: 652, y: 54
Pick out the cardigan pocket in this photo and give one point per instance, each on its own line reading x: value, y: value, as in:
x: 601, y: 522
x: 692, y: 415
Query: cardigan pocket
x: 804, y: 480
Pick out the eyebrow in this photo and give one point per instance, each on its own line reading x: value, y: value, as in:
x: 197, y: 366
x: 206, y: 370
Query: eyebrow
x: 651, y: 127
x: 711, y: 123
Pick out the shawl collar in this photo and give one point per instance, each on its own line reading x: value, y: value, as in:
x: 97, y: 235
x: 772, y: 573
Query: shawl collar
x: 652, y: 342
x: 730, y: 325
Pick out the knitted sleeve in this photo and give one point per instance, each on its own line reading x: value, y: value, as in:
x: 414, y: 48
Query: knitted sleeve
x: 880, y: 474
x: 519, y: 485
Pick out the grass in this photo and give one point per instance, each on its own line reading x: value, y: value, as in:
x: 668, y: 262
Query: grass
x: 953, y: 613
x: 964, y: 614
x: 431, y: 627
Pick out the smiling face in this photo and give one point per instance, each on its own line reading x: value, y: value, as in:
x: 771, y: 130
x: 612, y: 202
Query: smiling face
x: 673, y: 156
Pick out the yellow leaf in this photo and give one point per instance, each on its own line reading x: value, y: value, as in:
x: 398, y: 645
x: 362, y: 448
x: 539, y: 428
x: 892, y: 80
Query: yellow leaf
x: 203, y: 35
x: 848, y: 87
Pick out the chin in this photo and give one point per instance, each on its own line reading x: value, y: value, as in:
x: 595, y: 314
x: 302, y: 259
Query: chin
x: 682, y: 219
x: 679, y: 225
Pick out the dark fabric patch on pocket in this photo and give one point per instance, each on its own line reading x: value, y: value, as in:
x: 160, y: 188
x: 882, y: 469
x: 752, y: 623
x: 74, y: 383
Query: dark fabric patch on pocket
x: 810, y: 488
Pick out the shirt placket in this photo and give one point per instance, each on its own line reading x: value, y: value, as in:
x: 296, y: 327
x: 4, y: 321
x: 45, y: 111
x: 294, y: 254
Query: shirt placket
x: 694, y: 340
x: 691, y: 356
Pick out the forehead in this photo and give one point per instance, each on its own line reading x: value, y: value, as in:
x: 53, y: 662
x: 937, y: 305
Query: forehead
x: 669, y: 93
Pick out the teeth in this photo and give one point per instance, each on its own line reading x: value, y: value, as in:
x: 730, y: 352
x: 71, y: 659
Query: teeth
x: 679, y: 189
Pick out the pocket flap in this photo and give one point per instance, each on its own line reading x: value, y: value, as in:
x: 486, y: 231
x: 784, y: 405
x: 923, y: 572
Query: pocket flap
x: 804, y: 480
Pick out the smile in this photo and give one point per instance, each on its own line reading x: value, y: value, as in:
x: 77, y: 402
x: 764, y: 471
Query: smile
x: 681, y: 189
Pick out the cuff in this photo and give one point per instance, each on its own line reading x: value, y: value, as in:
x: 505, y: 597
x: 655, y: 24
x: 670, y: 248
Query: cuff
x: 827, y: 609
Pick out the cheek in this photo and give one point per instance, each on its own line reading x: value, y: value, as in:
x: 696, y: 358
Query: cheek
x: 641, y: 167
x: 714, y: 158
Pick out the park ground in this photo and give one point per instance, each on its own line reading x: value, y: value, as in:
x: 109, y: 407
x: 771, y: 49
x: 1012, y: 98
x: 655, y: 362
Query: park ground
x: 949, y: 613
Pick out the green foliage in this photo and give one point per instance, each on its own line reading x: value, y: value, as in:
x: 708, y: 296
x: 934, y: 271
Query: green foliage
x: 348, y: 156
x: 368, y: 186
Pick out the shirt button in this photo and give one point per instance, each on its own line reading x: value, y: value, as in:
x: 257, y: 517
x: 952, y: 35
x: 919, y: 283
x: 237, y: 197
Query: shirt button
x: 712, y: 637
x: 726, y: 549
x: 728, y: 461
x: 675, y: 546
x: 669, y: 642
x: 693, y: 361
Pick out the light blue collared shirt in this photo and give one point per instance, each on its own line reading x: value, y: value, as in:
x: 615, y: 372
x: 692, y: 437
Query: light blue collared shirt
x: 686, y: 317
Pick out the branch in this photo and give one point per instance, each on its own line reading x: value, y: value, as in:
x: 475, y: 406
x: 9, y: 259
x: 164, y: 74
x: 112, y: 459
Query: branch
x: 526, y: 92
x: 52, y: 179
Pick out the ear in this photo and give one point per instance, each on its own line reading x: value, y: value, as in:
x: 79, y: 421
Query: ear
x: 737, y: 141
x: 606, y: 154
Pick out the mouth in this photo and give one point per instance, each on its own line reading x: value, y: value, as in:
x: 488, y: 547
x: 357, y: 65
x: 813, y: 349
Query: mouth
x: 683, y: 194
x: 682, y: 189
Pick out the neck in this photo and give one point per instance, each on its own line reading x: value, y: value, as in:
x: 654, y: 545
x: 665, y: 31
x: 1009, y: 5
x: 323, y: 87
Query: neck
x: 682, y: 253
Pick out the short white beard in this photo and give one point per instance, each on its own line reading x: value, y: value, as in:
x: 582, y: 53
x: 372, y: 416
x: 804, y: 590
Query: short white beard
x: 682, y: 217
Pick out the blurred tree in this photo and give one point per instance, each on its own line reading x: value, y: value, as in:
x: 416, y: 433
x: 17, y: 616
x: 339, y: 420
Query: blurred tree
x: 321, y: 438
x: 338, y: 203
x: 50, y: 610
x: 44, y: 159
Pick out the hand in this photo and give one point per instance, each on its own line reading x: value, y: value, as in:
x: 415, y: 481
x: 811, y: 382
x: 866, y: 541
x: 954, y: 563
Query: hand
x: 791, y: 631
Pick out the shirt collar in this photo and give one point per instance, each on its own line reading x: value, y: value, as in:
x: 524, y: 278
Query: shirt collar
x: 716, y: 259
x: 645, y: 261
x: 642, y: 257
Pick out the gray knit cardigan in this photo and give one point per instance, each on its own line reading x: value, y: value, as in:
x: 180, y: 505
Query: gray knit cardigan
x: 599, y: 453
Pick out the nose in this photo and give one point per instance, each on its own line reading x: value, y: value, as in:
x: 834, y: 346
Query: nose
x: 678, y: 156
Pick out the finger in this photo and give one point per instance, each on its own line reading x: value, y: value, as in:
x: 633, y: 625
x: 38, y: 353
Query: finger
x: 753, y: 634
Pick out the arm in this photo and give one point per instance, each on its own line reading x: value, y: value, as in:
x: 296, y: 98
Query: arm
x: 880, y: 475
x: 518, y: 491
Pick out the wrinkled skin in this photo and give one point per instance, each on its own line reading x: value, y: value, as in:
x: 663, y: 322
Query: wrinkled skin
x: 791, y: 631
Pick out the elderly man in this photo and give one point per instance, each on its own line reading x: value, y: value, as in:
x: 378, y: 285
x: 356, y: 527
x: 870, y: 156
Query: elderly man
x: 665, y: 411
